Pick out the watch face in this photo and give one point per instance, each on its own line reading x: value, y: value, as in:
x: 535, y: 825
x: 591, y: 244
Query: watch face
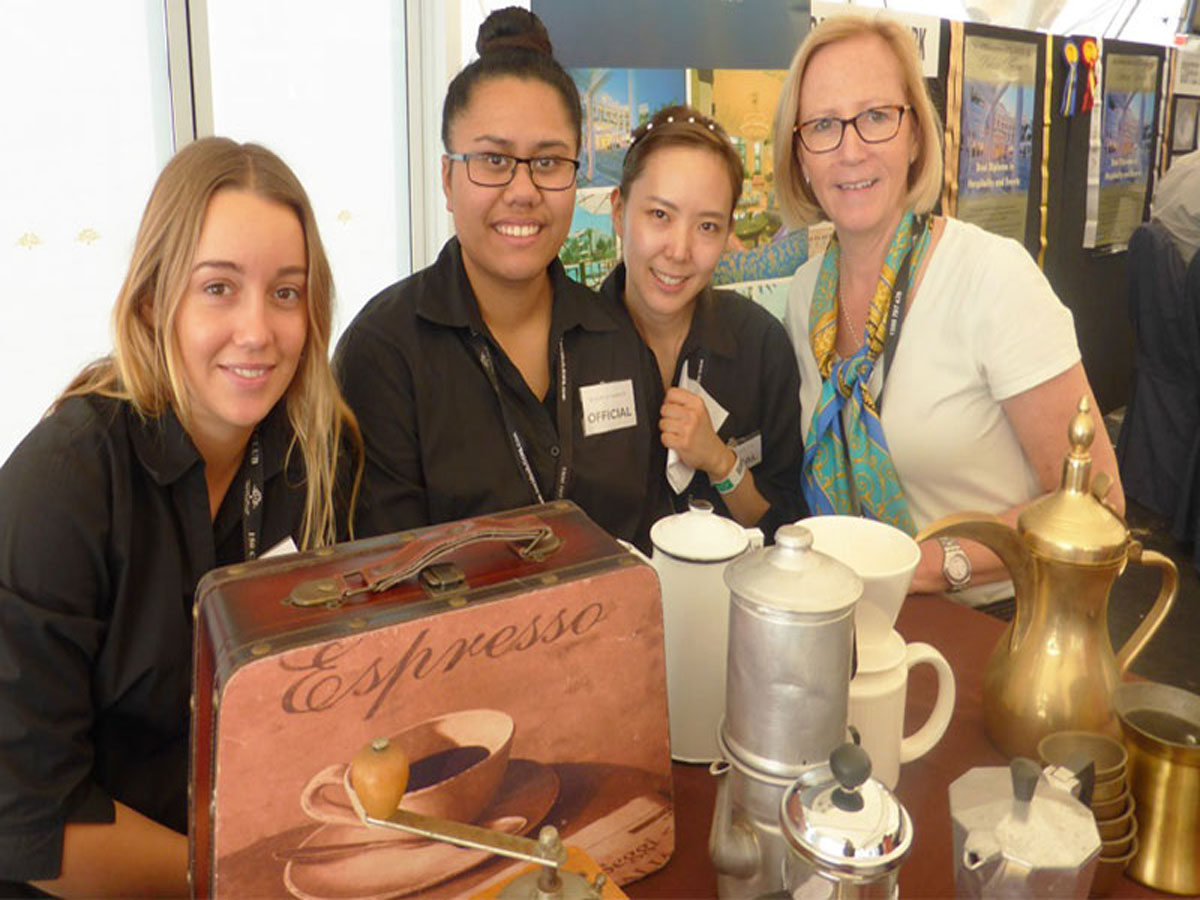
x: 958, y: 568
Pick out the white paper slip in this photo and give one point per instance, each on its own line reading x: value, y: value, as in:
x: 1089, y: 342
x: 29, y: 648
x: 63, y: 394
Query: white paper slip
x: 679, y: 473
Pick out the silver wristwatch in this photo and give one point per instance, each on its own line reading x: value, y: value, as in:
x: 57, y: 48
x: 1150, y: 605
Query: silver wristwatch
x: 956, y: 565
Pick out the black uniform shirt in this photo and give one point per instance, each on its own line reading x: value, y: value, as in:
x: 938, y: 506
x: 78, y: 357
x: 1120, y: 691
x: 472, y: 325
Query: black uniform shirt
x: 743, y: 358
x: 104, y: 532
x: 439, y: 430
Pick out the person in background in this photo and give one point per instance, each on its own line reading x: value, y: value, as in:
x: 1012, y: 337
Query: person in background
x: 212, y: 432
x: 1176, y: 204
x: 731, y: 422
x: 491, y: 380
x: 961, y: 400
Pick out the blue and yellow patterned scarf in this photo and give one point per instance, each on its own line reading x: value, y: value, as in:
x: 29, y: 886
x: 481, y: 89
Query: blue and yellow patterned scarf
x: 832, y: 456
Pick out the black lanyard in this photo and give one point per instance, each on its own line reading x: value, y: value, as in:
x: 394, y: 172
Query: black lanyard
x: 562, y: 469
x: 252, y: 498
x: 896, y: 310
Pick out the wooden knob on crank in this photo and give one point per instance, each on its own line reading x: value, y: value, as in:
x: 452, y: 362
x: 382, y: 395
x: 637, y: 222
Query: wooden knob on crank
x: 379, y: 776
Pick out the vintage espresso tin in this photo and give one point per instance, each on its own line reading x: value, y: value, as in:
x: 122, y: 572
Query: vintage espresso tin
x: 516, y: 658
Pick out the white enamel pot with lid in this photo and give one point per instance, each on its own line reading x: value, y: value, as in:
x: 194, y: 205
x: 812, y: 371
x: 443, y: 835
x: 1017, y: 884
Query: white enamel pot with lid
x: 691, y: 551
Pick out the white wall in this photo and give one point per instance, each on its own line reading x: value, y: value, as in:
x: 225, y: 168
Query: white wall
x: 88, y: 121
x: 86, y: 127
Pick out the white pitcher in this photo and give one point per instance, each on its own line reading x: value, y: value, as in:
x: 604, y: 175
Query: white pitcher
x: 691, y: 551
x: 878, y: 693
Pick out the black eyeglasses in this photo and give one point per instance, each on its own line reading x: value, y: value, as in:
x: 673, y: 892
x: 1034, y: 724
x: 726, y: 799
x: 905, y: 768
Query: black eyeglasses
x: 548, y: 173
x: 876, y: 125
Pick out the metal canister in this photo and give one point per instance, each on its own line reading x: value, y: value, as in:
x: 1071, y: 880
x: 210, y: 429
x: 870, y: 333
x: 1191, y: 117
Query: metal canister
x: 1162, y: 734
x: 791, y: 648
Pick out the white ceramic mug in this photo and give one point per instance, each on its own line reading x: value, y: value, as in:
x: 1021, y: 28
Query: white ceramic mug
x: 883, y: 556
x: 878, y: 693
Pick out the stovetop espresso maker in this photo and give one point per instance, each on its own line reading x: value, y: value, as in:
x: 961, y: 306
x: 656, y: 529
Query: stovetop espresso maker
x: 791, y: 649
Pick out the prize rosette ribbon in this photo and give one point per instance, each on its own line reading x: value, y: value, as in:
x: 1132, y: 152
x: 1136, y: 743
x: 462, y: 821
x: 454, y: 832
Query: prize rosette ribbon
x: 1090, y: 51
x: 1070, y: 92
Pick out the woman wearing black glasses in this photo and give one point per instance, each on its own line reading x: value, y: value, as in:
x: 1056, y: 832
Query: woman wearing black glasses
x: 938, y: 368
x: 491, y: 380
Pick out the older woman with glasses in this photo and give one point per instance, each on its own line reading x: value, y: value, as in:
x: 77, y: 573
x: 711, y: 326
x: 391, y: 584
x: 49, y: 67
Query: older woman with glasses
x: 491, y: 380
x: 938, y: 368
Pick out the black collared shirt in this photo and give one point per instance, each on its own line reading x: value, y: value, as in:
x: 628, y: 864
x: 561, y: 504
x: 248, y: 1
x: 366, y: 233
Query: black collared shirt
x: 104, y: 532
x: 438, y: 429
x: 743, y: 358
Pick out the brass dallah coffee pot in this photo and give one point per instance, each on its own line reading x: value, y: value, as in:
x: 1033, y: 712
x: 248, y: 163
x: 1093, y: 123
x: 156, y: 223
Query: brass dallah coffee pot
x: 1054, y: 666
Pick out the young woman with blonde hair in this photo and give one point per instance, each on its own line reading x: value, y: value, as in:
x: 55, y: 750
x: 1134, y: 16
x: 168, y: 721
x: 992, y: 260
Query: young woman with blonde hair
x: 213, y: 432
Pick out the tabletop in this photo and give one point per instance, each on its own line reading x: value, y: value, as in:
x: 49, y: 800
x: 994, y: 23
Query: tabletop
x: 966, y: 638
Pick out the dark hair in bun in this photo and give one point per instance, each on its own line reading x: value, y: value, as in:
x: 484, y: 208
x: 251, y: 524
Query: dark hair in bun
x: 513, y: 27
x: 511, y: 42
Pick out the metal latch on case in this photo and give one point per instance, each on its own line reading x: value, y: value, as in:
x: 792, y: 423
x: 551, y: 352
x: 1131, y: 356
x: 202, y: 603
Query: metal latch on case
x: 443, y: 578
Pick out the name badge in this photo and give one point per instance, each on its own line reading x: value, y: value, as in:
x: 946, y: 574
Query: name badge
x: 608, y: 406
x: 749, y: 449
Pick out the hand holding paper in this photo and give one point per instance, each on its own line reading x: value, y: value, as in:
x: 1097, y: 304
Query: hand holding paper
x: 689, y: 424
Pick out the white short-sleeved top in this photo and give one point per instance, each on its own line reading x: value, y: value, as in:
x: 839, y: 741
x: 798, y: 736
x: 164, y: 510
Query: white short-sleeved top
x: 984, y: 326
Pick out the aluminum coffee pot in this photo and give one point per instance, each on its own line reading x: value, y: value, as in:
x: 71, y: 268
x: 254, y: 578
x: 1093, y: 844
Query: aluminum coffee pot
x: 1054, y: 668
x: 791, y: 654
x: 791, y: 644
x: 1019, y: 832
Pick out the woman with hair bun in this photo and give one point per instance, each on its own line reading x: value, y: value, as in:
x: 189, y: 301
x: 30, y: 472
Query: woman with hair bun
x: 211, y: 433
x: 490, y: 380
x: 724, y: 354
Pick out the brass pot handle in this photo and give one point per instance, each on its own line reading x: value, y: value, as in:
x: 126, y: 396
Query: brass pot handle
x: 1162, y: 604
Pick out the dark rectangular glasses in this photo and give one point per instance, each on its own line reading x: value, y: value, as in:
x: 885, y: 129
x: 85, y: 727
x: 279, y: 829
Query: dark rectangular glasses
x: 548, y: 173
x: 875, y: 126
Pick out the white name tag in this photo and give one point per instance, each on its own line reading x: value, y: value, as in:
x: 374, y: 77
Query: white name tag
x: 749, y: 449
x: 607, y: 407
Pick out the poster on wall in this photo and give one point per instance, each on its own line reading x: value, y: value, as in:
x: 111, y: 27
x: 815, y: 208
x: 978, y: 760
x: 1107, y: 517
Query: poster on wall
x: 615, y: 102
x: 1126, y: 133
x: 1187, y: 70
x: 762, y: 250
x: 1183, y: 131
x: 996, y: 148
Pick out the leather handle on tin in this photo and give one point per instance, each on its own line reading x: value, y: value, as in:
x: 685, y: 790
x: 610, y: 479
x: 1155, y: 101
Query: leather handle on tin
x: 1162, y: 604
x: 535, y: 540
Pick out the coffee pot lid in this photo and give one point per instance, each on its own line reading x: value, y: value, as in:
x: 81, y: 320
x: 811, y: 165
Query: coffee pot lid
x: 1073, y: 524
x: 699, y: 535
x: 843, y: 821
x: 793, y: 577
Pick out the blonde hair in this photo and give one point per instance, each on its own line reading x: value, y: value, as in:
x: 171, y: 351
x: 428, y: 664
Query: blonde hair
x: 796, y: 199
x: 145, y: 368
